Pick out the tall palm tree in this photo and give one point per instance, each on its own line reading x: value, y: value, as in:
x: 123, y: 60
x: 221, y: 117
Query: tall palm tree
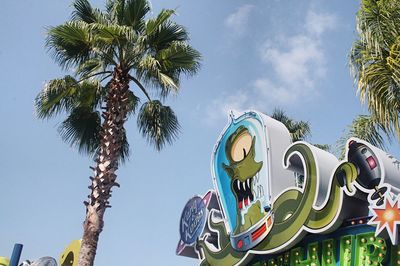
x: 109, y: 51
x: 375, y: 60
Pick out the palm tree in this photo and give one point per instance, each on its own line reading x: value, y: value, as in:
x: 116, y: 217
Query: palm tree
x: 375, y: 60
x: 366, y: 128
x: 299, y: 130
x: 110, y: 50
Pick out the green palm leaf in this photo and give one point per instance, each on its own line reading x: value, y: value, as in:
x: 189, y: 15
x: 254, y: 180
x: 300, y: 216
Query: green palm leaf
x: 83, y: 11
x: 70, y: 43
x: 57, y: 96
x: 158, y: 123
x: 364, y: 127
x: 81, y: 129
x: 374, y: 61
x: 299, y: 130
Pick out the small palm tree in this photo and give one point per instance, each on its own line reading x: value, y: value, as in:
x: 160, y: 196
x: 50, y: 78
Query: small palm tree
x: 366, y: 128
x: 110, y: 50
x: 375, y: 61
x: 299, y: 130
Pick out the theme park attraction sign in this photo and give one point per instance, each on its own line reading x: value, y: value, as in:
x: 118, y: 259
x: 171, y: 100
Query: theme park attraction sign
x: 261, y: 215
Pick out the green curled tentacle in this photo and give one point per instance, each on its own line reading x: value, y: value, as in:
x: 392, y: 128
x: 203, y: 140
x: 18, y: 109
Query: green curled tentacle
x: 291, y: 209
x: 345, y: 174
x: 226, y: 255
x: 223, y: 237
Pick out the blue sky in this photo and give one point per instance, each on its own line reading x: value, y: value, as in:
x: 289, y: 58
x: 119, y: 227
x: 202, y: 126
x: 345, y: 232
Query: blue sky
x: 256, y: 54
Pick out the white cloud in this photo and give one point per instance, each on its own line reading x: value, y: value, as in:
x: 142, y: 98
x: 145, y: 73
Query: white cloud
x: 221, y: 106
x: 293, y: 63
x: 266, y: 89
x: 237, y: 21
x: 319, y: 23
x: 296, y: 64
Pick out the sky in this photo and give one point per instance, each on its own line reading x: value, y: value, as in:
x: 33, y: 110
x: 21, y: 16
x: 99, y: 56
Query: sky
x: 257, y: 54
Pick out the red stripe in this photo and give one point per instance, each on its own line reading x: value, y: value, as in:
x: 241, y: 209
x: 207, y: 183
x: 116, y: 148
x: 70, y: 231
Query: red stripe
x: 259, y: 232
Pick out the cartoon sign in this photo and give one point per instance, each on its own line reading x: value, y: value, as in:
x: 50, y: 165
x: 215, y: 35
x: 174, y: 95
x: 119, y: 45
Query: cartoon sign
x: 254, y: 166
x: 193, y: 221
x: 242, y: 156
x: 70, y: 255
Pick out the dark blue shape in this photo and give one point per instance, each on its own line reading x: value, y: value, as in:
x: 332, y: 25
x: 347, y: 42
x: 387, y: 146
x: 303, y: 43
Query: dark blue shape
x: 16, y: 254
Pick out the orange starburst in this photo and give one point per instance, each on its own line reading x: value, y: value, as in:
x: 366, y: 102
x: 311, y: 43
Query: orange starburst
x: 386, y: 216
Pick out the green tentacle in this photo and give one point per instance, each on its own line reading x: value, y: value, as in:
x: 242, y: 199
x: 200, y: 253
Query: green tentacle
x: 223, y: 237
x: 226, y: 256
x: 292, y: 208
x: 346, y: 173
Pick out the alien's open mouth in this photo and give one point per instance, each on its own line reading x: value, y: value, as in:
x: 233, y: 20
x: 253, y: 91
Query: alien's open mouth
x: 243, y: 192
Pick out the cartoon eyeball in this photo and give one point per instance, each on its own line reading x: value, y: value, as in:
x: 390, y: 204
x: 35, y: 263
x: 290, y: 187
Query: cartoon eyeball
x: 71, y: 253
x: 241, y: 146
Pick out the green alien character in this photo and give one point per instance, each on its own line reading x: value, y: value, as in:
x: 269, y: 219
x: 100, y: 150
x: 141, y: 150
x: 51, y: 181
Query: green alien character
x: 293, y: 212
x: 240, y: 151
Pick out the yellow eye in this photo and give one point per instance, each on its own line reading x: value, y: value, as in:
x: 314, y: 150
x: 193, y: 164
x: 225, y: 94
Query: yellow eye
x: 241, y: 147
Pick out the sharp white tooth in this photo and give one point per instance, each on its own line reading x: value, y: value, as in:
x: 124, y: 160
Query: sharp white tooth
x: 244, y: 187
x: 248, y: 183
x: 248, y: 200
x: 238, y: 184
x: 243, y: 204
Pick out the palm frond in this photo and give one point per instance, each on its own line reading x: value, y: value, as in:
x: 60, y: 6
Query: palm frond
x: 364, y: 127
x: 135, y: 12
x: 377, y: 24
x: 90, y: 94
x: 65, y: 94
x: 325, y: 147
x: 83, y: 11
x: 81, y: 129
x: 280, y: 115
x: 181, y: 57
x: 133, y: 102
x: 58, y: 95
x: 115, y: 10
x: 90, y: 67
x: 164, y: 35
x: 153, y: 25
x: 158, y: 123
x: 374, y: 60
x: 70, y: 43
x: 114, y: 34
x: 149, y: 71
x: 165, y: 69
x: 299, y: 130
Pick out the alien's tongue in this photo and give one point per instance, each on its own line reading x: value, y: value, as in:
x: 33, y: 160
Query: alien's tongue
x: 246, y: 202
x: 243, y: 192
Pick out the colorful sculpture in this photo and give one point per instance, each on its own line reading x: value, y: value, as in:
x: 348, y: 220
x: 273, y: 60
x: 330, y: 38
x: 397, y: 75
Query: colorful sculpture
x: 263, y: 212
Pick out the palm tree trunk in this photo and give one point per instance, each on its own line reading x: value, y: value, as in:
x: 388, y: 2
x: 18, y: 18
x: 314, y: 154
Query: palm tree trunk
x: 112, y: 132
